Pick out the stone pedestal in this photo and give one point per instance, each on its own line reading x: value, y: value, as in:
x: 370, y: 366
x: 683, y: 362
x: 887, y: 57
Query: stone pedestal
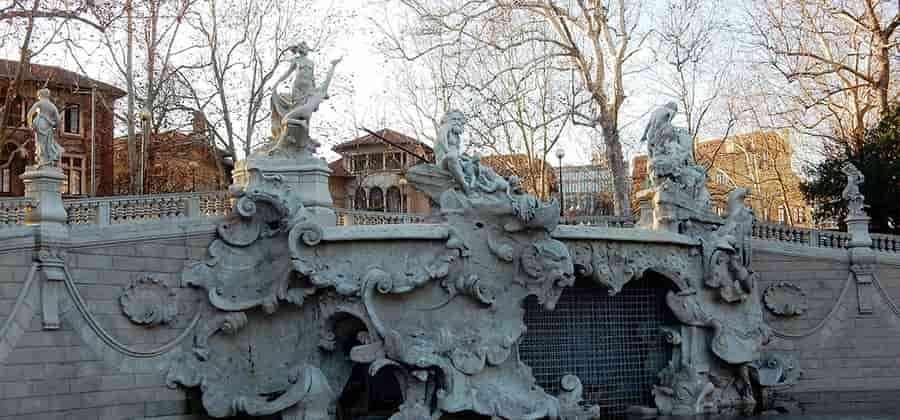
x: 44, y: 186
x: 858, y: 227
x: 297, y: 179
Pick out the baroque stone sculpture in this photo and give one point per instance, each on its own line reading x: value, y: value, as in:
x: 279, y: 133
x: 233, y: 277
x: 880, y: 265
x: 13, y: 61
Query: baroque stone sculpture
x: 43, y: 118
x: 679, y: 183
x: 294, y: 110
x: 293, y: 302
x: 856, y: 205
x: 439, y: 306
x: 149, y: 301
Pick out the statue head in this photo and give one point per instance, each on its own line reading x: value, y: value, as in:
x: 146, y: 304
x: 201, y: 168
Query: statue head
x: 302, y: 48
x: 455, y: 119
x: 43, y: 93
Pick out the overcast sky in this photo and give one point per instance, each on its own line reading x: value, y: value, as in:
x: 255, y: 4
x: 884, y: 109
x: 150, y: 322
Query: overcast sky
x: 369, y: 103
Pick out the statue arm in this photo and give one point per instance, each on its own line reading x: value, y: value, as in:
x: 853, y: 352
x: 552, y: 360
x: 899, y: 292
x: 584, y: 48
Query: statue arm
x: 328, y: 77
x: 284, y: 76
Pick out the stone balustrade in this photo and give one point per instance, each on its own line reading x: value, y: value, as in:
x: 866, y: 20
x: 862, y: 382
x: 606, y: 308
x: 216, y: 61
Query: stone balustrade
x: 347, y: 217
x: 12, y: 212
x: 604, y: 221
x: 182, y: 206
x: 146, y: 208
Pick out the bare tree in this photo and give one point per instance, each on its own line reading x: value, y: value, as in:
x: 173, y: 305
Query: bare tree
x: 836, y: 57
x: 243, y: 44
x: 693, y: 57
x: 593, y: 40
x: 23, y: 19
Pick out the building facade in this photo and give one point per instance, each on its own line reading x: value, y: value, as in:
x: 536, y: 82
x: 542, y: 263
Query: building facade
x: 370, y: 175
x: 86, y: 133
x: 587, y: 190
x: 761, y: 162
x: 176, y: 161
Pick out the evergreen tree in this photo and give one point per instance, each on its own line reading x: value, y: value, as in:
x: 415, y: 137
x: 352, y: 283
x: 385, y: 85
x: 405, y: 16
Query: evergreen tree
x: 878, y: 158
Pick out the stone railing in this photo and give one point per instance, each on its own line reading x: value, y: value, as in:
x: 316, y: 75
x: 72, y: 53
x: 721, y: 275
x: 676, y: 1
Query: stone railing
x: 12, y: 211
x: 604, y: 221
x: 886, y: 243
x: 348, y: 217
x: 800, y: 236
x: 146, y: 208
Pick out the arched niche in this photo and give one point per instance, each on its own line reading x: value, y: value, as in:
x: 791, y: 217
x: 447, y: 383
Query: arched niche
x: 360, y: 200
x: 614, y: 343
x: 376, y: 199
x: 393, y: 202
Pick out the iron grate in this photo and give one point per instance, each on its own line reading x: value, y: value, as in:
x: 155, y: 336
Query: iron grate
x: 612, y: 343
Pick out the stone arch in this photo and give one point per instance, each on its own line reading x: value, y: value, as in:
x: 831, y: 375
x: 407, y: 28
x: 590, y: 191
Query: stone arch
x: 393, y: 200
x: 376, y: 199
x: 360, y: 199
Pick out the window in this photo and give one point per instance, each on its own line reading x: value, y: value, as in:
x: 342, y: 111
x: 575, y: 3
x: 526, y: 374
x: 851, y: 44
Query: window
x: 359, y: 199
x: 358, y: 163
x: 5, y: 180
x: 376, y: 161
x: 393, y: 200
x: 393, y: 160
x: 782, y: 214
x: 72, y: 119
x: 376, y: 199
x: 73, y: 170
x: 721, y: 178
x: 16, y: 116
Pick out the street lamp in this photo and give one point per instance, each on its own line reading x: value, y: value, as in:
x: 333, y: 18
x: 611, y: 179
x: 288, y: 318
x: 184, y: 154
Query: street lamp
x: 562, y: 194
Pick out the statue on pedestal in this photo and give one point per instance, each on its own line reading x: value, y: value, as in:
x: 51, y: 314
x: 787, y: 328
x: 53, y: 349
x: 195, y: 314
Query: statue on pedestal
x: 43, y: 118
x: 296, y: 108
x: 856, y: 202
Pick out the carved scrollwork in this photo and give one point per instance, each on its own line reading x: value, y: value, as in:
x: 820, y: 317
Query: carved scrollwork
x: 785, y: 299
x: 149, y: 301
x: 549, y: 269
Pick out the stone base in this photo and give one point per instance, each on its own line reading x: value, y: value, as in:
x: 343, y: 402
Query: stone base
x: 299, y: 179
x: 44, y: 185
x: 858, y: 227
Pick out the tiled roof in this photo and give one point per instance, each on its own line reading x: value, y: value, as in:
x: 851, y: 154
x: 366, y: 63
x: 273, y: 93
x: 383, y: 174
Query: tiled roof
x: 387, y: 133
x: 57, y: 76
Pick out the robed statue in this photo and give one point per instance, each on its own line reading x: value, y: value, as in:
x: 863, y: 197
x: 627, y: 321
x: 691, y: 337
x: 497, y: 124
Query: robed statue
x: 296, y: 108
x: 43, y: 118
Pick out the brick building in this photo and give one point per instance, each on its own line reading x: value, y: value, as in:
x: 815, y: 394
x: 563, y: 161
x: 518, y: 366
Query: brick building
x: 370, y: 174
x: 176, y: 161
x: 537, y: 176
x: 760, y: 162
x: 86, y: 132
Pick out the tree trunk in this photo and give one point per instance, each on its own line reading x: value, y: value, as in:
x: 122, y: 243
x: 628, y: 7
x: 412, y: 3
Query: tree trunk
x: 621, y: 184
x: 129, y: 85
x: 15, y: 85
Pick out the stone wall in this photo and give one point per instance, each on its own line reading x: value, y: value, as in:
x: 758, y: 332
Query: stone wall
x: 850, y: 360
x: 97, y: 365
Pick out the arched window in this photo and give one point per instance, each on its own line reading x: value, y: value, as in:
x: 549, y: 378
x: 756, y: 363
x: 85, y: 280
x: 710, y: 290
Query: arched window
x: 393, y: 199
x: 11, y: 165
x: 376, y: 199
x: 359, y: 199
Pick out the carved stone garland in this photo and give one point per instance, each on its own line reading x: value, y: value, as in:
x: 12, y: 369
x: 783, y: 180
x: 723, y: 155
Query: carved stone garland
x: 149, y: 301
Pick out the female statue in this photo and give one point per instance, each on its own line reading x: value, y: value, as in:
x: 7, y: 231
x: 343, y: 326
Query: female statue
x: 43, y: 117
x: 296, y: 106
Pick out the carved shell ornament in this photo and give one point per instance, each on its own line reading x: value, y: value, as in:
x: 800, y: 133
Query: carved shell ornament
x: 149, y: 301
x: 785, y: 299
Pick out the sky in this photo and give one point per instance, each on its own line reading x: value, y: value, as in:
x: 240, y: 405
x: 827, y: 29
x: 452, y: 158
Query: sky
x: 371, y: 100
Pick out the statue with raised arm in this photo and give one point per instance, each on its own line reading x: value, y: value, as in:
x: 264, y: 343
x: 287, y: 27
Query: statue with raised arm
x: 856, y: 202
x: 296, y: 108
x: 43, y: 118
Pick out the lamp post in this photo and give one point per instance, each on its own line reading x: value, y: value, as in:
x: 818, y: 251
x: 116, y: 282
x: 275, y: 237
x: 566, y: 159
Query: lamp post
x: 562, y: 194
